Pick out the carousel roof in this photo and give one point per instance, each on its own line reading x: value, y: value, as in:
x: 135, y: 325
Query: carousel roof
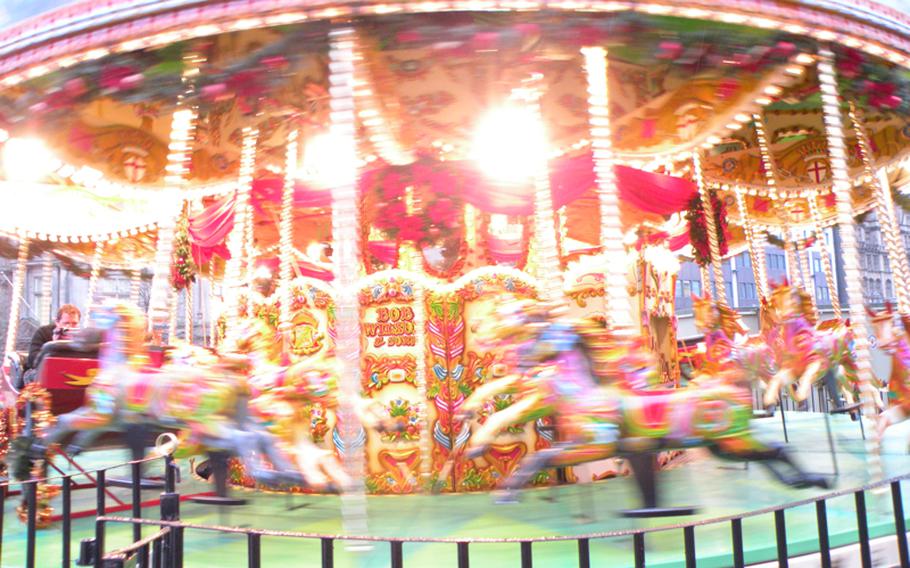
x: 681, y: 79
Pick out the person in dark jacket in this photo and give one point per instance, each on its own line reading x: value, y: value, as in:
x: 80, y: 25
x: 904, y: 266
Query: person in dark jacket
x: 68, y: 317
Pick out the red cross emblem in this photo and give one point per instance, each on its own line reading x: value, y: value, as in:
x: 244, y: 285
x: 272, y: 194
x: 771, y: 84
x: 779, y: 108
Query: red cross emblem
x: 134, y: 168
x: 818, y: 169
x: 687, y: 124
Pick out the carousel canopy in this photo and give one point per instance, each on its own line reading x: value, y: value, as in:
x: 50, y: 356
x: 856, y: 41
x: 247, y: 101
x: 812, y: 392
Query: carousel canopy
x: 90, y: 124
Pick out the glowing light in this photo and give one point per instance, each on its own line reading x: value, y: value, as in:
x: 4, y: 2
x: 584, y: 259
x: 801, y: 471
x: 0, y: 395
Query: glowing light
x: 508, y: 142
x: 326, y: 160
x: 262, y: 273
x: 27, y: 159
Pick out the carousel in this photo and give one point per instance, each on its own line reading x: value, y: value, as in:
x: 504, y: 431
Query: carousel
x: 430, y: 250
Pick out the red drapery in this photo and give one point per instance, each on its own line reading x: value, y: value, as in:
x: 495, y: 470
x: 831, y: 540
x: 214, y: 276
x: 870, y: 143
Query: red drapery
x: 304, y: 268
x: 209, y: 229
x: 570, y: 178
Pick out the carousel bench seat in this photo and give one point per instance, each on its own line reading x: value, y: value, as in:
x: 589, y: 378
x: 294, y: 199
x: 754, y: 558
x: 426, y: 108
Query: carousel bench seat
x: 65, y: 369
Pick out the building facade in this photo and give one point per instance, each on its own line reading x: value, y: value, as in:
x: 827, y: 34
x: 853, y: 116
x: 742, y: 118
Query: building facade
x: 739, y: 279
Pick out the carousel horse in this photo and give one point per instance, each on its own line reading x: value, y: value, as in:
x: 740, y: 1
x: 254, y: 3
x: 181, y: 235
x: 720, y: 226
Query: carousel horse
x: 805, y: 354
x: 598, y: 420
x: 897, y: 345
x: 208, y: 399
x: 728, y: 357
x: 532, y: 334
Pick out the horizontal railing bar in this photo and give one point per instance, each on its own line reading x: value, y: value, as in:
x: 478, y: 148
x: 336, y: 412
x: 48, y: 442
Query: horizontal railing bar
x: 455, y: 540
x: 134, y: 547
x: 11, y: 483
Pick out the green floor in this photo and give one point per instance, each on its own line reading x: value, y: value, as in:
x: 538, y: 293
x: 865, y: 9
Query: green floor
x: 717, y: 488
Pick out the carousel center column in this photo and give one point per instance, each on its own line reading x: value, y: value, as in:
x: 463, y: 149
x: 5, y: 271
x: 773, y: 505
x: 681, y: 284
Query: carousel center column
x: 346, y: 265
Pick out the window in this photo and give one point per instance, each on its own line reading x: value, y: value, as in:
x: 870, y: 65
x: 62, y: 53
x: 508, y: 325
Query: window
x: 747, y: 291
x: 679, y: 289
x: 696, y: 287
x: 816, y: 264
x: 775, y: 261
x: 889, y: 292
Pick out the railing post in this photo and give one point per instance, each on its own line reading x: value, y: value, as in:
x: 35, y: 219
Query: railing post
x: 821, y: 520
x: 863, y: 528
x: 31, y: 505
x: 397, y: 554
x: 157, y: 560
x: 170, y: 511
x: 328, y: 553
x: 137, y: 499
x: 584, y: 553
x: 638, y: 543
x: 99, y: 543
x: 170, y: 475
x: 900, y: 527
x: 144, y: 556
x: 100, y: 478
x: 527, y: 558
x: 736, y: 528
x: 178, y: 549
x: 67, y: 518
x: 689, y: 538
x: 253, y: 550
x: 780, y: 530
x: 464, y: 560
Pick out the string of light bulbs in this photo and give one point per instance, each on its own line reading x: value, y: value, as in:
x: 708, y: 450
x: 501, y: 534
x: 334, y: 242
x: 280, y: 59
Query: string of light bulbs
x: 827, y: 265
x: 884, y: 208
x: 720, y: 291
x: 837, y: 151
x: 618, y: 302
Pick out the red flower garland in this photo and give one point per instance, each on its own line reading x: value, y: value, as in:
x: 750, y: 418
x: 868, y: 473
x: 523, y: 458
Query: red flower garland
x: 698, y: 228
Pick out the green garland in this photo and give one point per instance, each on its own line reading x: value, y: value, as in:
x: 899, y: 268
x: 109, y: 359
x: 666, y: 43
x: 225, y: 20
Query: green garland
x: 873, y: 84
x: 183, y: 268
x: 776, y: 241
x: 698, y: 228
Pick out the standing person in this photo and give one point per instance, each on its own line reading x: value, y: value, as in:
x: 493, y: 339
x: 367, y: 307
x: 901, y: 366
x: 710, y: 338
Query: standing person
x: 68, y: 317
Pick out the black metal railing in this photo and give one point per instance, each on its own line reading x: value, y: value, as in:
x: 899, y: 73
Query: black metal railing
x: 164, y: 548
x: 29, y: 490
x: 175, y: 529
x: 159, y: 550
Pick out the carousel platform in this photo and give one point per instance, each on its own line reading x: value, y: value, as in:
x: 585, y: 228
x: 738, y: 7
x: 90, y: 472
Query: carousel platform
x: 717, y: 488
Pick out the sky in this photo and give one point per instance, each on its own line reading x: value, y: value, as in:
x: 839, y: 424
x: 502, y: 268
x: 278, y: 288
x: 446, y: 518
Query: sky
x: 14, y: 10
